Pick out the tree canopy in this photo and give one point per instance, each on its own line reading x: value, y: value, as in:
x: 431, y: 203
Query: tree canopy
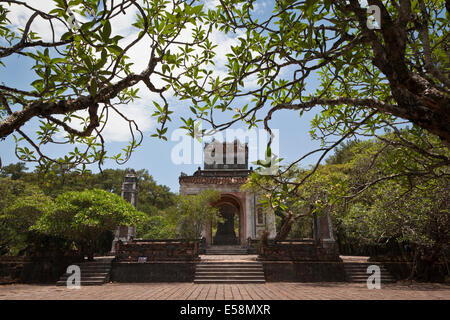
x: 372, y: 75
x: 84, y: 66
x: 376, y: 192
x: 152, y: 196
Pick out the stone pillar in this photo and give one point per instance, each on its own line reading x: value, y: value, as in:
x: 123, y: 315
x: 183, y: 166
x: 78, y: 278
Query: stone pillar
x: 323, y: 230
x: 129, y: 193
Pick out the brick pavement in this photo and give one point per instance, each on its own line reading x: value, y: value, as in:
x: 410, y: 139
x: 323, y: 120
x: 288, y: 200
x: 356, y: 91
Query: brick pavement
x: 190, y: 291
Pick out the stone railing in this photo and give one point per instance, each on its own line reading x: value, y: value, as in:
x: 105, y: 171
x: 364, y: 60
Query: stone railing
x: 142, y: 250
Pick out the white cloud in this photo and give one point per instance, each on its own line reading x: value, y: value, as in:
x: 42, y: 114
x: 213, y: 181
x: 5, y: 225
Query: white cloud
x: 117, y: 129
x: 211, y: 4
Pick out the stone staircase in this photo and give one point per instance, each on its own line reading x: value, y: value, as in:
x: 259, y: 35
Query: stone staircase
x: 226, y: 250
x: 229, y: 272
x: 93, y: 273
x: 357, y: 272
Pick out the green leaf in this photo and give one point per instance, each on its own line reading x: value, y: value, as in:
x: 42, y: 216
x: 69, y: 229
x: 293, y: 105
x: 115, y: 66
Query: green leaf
x: 106, y: 31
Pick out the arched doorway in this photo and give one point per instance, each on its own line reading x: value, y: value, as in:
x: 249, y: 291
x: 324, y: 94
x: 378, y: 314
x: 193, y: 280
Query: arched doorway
x: 226, y: 231
x: 229, y: 231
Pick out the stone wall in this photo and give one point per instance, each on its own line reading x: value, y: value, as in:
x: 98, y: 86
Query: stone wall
x: 34, y: 270
x: 158, y: 250
x: 304, y: 271
x: 154, y: 271
x: 297, y: 251
x: 299, y: 261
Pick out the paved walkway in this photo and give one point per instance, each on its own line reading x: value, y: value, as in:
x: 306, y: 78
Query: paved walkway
x: 190, y: 291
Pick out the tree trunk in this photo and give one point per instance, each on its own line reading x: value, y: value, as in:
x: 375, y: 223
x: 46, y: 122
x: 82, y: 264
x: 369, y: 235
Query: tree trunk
x: 285, y: 229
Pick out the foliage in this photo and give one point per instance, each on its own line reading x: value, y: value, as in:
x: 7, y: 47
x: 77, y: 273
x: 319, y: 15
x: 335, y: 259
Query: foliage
x: 192, y: 212
x: 371, y: 78
x: 398, y: 195
x: 31, y: 194
x: 393, y: 188
x: 14, y: 170
x: 21, y: 205
x: 84, y: 216
x: 157, y: 227
x: 152, y: 196
x: 83, y: 73
x: 371, y: 75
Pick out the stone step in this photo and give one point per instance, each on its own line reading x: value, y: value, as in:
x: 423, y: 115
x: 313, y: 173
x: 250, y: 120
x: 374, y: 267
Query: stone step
x: 365, y: 271
x: 365, y: 280
x: 225, y: 253
x: 226, y: 275
x: 357, y: 272
x: 92, y: 273
x: 95, y: 263
x: 95, y: 270
x: 228, y: 268
x: 224, y: 247
x: 219, y: 272
x: 226, y: 263
x: 93, y: 277
x: 222, y: 253
x: 230, y: 281
x: 360, y: 267
x: 365, y: 276
x: 83, y: 274
x: 229, y: 276
x: 229, y: 272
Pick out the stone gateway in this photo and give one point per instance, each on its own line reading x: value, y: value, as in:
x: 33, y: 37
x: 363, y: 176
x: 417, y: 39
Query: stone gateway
x: 226, y: 170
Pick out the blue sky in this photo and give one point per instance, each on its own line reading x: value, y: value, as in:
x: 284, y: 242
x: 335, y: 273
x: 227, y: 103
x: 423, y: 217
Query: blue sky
x: 155, y: 155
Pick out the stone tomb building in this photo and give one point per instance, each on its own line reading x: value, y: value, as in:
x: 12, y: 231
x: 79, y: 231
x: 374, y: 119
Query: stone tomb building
x: 226, y: 170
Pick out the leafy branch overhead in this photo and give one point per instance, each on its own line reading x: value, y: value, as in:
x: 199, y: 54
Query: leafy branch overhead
x: 400, y: 70
x: 367, y: 79
x: 83, y: 74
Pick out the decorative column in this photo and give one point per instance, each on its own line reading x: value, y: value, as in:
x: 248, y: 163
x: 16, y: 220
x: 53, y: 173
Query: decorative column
x: 129, y: 193
x: 323, y: 230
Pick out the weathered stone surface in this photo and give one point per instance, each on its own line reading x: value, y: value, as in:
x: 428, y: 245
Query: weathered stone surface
x: 304, y: 271
x: 153, y: 271
x: 34, y: 270
x: 158, y: 250
x: 297, y: 251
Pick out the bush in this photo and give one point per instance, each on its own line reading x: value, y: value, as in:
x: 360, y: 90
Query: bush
x: 85, y: 216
